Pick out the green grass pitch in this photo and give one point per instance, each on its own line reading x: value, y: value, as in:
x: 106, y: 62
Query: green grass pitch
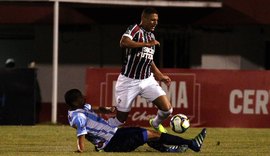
x: 61, y: 140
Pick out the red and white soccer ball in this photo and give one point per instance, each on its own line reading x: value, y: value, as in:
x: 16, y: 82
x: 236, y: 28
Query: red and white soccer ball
x: 179, y: 123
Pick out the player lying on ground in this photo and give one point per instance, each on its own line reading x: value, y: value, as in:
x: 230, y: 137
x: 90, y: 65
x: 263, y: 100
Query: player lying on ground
x: 95, y: 129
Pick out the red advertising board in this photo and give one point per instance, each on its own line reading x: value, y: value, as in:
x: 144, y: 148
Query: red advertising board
x: 211, y: 98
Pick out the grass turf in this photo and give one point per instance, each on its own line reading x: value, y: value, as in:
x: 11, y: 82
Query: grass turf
x: 61, y: 140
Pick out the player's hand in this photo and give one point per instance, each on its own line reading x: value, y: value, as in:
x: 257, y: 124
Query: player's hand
x: 166, y: 79
x: 152, y: 43
x: 112, y: 109
x: 107, y: 110
x: 78, y: 151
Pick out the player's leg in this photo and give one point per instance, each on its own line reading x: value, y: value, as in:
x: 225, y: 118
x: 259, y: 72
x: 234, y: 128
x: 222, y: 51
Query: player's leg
x: 164, y: 111
x: 127, y: 139
x: 126, y: 90
x: 168, y: 139
x: 165, y: 138
x: 153, y: 142
x: 167, y: 148
x: 154, y: 93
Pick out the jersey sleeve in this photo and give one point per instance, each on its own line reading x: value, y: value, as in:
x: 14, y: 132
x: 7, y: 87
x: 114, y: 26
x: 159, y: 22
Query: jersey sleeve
x: 79, y: 122
x: 87, y: 107
x: 131, y: 31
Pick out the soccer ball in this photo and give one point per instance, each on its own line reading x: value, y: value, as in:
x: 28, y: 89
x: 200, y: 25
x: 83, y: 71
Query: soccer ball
x: 179, y: 123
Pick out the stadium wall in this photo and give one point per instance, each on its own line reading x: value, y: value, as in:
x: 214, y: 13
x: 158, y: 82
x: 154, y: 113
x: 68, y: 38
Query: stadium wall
x: 211, y: 98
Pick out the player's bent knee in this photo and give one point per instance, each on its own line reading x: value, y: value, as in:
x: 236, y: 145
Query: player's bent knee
x: 162, y: 103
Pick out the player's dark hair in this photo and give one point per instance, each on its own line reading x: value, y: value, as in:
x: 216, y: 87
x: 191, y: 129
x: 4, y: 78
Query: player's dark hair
x: 149, y: 10
x: 71, y: 96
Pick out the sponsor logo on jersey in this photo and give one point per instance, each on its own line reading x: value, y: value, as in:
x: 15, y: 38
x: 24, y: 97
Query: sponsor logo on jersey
x: 147, y: 53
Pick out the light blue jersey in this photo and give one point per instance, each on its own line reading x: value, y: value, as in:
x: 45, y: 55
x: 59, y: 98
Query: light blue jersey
x: 87, y: 122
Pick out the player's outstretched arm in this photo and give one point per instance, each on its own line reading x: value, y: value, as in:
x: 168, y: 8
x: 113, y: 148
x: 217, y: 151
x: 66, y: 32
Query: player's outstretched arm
x: 157, y: 73
x: 104, y: 110
x: 126, y: 42
x: 80, y: 143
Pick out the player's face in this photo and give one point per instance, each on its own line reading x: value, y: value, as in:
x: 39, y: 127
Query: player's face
x: 150, y: 22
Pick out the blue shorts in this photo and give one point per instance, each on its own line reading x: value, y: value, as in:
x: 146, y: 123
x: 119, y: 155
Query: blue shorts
x: 127, y: 139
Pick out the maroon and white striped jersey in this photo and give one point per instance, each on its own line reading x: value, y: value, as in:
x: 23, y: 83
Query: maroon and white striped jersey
x: 137, y: 62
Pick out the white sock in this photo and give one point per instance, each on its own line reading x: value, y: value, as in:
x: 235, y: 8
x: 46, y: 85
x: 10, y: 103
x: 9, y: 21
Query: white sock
x: 161, y: 116
x: 114, y: 122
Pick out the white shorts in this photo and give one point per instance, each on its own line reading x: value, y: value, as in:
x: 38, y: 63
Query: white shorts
x: 127, y: 89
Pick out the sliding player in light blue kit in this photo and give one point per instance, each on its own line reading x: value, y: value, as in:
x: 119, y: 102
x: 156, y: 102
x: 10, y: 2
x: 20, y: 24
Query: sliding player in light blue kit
x: 107, y: 138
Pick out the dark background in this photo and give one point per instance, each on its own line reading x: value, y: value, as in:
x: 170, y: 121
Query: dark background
x: 89, y: 37
x: 238, y: 28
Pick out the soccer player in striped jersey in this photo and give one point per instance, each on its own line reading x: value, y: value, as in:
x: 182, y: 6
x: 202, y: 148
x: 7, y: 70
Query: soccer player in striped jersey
x: 108, y: 138
x: 138, y: 72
